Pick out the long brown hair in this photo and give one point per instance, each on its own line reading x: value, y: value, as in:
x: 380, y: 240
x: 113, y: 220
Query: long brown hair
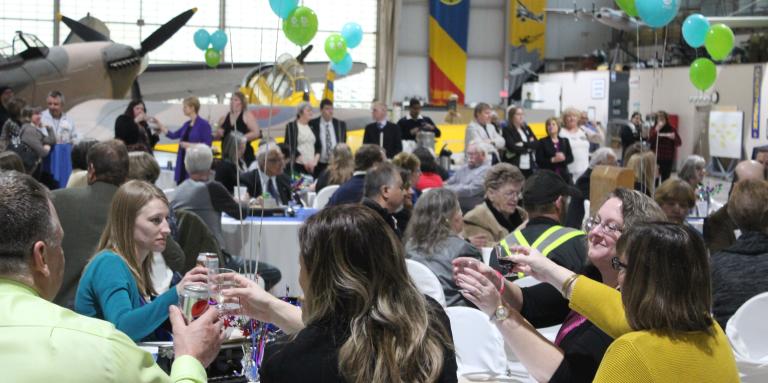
x: 342, y: 165
x: 118, y: 234
x: 368, y: 289
x: 667, y: 287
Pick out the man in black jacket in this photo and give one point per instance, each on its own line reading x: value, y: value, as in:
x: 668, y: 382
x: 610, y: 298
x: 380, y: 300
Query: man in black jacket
x: 384, y: 192
x: 269, y: 180
x: 383, y: 132
x: 328, y: 132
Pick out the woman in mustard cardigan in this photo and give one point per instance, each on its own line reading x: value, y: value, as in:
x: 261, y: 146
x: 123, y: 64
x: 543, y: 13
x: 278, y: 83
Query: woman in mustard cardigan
x: 660, y: 320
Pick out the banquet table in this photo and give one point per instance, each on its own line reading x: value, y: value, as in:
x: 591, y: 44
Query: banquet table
x: 278, y: 241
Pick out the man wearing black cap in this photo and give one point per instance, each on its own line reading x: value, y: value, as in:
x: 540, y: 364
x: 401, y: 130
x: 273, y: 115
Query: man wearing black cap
x: 544, y: 198
x: 414, y: 122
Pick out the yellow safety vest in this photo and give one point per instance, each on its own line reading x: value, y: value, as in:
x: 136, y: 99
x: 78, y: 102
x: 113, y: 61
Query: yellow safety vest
x: 549, y: 240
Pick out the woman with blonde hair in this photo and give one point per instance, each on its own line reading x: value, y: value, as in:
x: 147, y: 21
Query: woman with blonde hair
x: 339, y: 170
x: 116, y: 284
x: 241, y: 120
x: 196, y: 130
x: 644, y: 166
x: 579, y: 137
x: 363, y: 319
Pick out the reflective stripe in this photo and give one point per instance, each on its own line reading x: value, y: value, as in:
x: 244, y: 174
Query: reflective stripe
x: 547, y: 241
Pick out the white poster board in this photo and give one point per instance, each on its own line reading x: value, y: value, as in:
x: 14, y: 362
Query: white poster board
x: 725, y: 134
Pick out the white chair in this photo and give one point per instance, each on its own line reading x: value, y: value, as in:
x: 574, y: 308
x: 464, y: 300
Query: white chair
x: 526, y: 281
x: 426, y: 281
x: 746, y: 331
x: 323, y: 196
x: 479, y: 345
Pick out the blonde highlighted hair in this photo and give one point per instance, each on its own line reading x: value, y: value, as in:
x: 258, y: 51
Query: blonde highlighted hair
x: 118, y: 233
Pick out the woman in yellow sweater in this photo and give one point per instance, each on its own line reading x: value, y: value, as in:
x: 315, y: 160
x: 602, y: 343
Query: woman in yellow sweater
x: 661, y: 320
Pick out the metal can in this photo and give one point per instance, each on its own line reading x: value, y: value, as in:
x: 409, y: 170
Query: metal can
x: 194, y: 300
x: 200, y: 261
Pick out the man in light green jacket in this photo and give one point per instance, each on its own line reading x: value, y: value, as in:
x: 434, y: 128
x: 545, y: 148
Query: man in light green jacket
x: 43, y: 342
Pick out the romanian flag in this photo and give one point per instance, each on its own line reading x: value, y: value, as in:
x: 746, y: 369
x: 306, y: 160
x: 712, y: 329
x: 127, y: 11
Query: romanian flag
x: 448, y: 30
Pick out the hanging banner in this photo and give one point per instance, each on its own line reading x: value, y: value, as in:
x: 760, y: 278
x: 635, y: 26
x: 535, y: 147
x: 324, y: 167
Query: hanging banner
x: 526, y: 38
x: 448, y: 31
x: 757, y: 85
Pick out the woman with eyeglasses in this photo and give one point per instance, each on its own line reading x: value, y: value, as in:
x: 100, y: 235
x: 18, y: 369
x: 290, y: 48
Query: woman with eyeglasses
x: 661, y: 320
x: 499, y: 214
x: 579, y: 345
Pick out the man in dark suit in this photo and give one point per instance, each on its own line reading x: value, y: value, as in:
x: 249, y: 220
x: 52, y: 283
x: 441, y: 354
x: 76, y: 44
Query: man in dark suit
x: 351, y: 191
x: 270, y: 180
x: 83, y: 212
x: 328, y: 132
x: 414, y: 122
x: 382, y: 132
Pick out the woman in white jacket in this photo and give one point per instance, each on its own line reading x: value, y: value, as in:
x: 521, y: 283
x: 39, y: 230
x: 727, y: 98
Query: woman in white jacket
x: 481, y: 130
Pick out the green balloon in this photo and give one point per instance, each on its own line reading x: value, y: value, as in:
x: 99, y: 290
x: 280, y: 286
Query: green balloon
x: 212, y: 57
x: 628, y: 6
x: 300, y: 26
x: 335, y: 47
x: 703, y: 73
x: 719, y: 41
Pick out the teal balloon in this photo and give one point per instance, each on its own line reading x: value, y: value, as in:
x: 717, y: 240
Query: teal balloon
x: 212, y: 57
x: 202, y: 39
x: 702, y: 73
x: 695, y: 29
x: 335, y: 47
x: 344, y: 66
x: 353, y: 34
x: 283, y: 8
x: 219, y: 40
x: 300, y: 26
x: 719, y: 41
x: 657, y: 13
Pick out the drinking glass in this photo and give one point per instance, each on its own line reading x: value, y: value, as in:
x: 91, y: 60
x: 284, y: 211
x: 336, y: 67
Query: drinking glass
x: 224, y: 280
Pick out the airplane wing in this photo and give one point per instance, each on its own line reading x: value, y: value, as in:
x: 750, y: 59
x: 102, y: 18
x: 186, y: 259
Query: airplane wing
x: 173, y: 81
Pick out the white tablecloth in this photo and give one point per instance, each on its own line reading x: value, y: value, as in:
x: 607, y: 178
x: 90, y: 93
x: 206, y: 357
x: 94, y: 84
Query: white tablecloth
x: 279, y: 246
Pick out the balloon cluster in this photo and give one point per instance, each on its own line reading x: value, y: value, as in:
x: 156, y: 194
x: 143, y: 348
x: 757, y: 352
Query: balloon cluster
x: 211, y: 44
x: 718, y: 41
x: 654, y: 13
x: 299, y: 23
x: 336, y: 46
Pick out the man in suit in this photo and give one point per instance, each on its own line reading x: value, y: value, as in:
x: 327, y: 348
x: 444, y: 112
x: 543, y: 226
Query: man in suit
x: 383, y: 132
x: 268, y: 177
x: 328, y: 132
x: 83, y: 211
x: 414, y: 122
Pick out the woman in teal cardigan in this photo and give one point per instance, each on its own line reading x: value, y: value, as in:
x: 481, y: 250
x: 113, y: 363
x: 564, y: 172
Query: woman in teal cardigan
x: 116, y: 284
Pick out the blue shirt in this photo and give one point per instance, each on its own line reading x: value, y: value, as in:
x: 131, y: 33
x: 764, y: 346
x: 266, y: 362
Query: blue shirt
x: 108, y: 291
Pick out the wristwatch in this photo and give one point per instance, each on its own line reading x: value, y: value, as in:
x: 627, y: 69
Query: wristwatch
x: 501, y: 313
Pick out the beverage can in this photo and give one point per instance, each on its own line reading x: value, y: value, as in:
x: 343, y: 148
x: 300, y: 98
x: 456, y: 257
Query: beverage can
x: 194, y: 300
x: 200, y: 261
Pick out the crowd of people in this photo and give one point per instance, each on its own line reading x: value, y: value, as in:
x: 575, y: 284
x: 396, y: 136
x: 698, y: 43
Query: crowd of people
x: 640, y: 294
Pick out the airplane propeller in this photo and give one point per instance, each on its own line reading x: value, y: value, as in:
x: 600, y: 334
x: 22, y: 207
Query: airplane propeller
x: 156, y: 39
x: 162, y: 34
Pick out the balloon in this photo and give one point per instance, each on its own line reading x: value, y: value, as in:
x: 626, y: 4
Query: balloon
x: 219, y: 40
x: 719, y: 41
x: 300, y: 26
x: 283, y: 8
x: 212, y: 57
x: 695, y: 29
x: 628, y: 6
x: 202, y: 39
x: 703, y: 73
x: 344, y: 66
x: 335, y: 47
x: 352, y: 34
x: 657, y: 13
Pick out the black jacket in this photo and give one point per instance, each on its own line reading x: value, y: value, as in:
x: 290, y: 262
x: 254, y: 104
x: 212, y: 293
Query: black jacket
x: 393, y: 143
x: 738, y: 273
x: 546, y: 150
x: 517, y: 146
x: 252, y: 181
x: 339, y: 129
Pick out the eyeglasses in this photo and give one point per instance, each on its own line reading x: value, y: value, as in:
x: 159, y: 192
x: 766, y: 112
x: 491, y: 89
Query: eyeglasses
x: 611, y: 228
x: 617, y: 265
